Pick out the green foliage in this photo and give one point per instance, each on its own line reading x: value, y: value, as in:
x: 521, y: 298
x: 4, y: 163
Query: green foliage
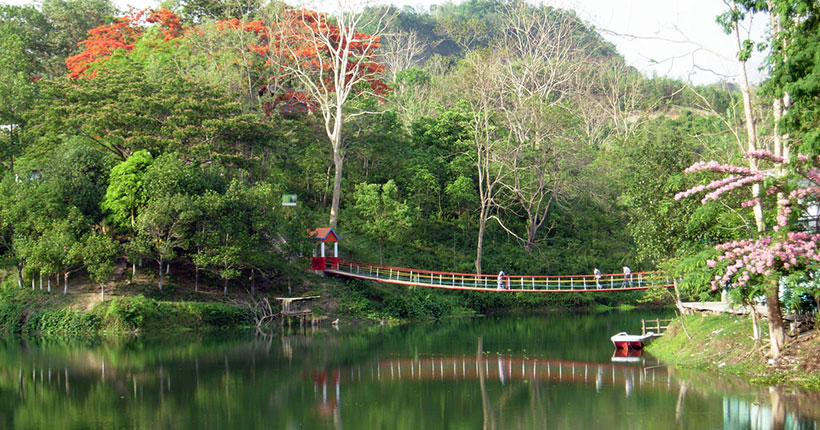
x: 141, y: 314
x: 203, y: 10
x: 125, y: 193
x: 130, y: 106
x: 78, y: 175
x: 203, y: 161
x: 661, y: 226
x: 99, y: 252
x: 61, y: 322
x: 379, y: 212
x: 163, y: 226
x: 11, y: 316
x: 51, y: 31
x: 692, y: 272
x: 69, y: 22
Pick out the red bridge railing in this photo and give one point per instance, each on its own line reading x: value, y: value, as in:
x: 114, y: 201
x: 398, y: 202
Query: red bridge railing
x: 507, y: 283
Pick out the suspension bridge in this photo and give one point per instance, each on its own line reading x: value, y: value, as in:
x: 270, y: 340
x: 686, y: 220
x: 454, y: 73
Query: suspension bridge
x: 506, y: 283
x: 474, y: 282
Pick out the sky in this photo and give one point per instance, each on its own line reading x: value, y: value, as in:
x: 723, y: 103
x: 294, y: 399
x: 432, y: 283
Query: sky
x: 677, y: 39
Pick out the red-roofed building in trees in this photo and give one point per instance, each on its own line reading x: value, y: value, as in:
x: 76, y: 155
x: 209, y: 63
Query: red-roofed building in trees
x: 320, y: 259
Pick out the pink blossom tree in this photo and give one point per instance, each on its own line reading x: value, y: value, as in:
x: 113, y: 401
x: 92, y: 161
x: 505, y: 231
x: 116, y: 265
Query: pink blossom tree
x: 777, y: 251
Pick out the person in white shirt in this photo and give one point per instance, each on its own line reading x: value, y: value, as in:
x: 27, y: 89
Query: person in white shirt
x: 627, y: 277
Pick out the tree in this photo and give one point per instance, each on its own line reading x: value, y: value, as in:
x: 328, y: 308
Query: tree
x: 401, y: 51
x: 133, y: 107
x: 162, y: 228
x: 61, y: 245
x: 652, y: 162
x: 332, y: 61
x: 223, y: 235
x: 776, y: 253
x: 203, y: 10
x: 16, y: 92
x: 77, y: 175
x: 787, y: 20
x: 51, y: 31
x: 125, y: 195
x: 29, y: 25
x: 538, y: 56
x: 70, y: 21
x: 99, y: 252
x: 121, y: 35
x: 490, y: 142
x: 380, y: 213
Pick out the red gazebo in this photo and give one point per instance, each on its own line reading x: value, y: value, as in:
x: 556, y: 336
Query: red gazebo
x: 324, y: 235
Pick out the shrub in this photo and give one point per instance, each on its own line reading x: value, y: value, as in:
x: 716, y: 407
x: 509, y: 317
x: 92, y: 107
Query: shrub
x: 11, y: 317
x: 220, y: 315
x: 61, y: 322
x: 143, y: 314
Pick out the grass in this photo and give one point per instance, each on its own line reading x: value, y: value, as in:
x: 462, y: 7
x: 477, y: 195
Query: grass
x: 725, y: 344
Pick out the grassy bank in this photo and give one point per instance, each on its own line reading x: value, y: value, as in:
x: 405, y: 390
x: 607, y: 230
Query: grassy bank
x: 134, y: 304
x: 725, y: 344
x: 37, y: 313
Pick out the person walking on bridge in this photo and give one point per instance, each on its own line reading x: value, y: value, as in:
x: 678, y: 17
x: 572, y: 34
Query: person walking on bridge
x: 597, y: 278
x: 501, y: 280
x: 627, y: 277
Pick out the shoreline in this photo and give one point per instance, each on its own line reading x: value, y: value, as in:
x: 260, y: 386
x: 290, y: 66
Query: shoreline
x: 724, y: 344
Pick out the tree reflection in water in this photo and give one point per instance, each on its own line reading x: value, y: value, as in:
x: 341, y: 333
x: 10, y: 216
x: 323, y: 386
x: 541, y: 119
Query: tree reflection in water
x: 450, y: 375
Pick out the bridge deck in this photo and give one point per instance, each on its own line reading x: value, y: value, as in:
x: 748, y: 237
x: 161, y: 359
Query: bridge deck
x: 508, y: 283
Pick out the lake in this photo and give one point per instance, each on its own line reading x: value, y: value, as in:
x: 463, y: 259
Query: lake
x: 527, y: 371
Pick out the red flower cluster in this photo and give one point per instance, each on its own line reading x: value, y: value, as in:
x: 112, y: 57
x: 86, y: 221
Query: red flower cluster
x: 769, y: 253
x: 104, y: 40
x: 290, y: 39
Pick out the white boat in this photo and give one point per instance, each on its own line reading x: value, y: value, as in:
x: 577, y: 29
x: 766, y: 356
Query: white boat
x: 626, y: 355
x: 634, y: 341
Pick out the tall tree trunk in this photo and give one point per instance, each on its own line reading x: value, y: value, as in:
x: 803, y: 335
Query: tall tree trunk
x: 755, y: 321
x: 196, y: 278
x: 338, y: 161
x: 482, y: 226
x: 65, y: 282
x: 777, y: 334
x: 225, y: 287
x: 751, y: 127
x: 532, y: 230
x: 160, y: 274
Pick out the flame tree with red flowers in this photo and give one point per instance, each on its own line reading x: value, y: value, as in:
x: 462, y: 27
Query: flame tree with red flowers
x: 313, y: 62
x: 331, y: 62
x: 123, y: 34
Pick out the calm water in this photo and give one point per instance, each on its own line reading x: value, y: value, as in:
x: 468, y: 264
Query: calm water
x: 512, y: 372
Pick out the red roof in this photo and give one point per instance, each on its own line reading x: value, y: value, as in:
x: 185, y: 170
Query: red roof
x: 325, y: 234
